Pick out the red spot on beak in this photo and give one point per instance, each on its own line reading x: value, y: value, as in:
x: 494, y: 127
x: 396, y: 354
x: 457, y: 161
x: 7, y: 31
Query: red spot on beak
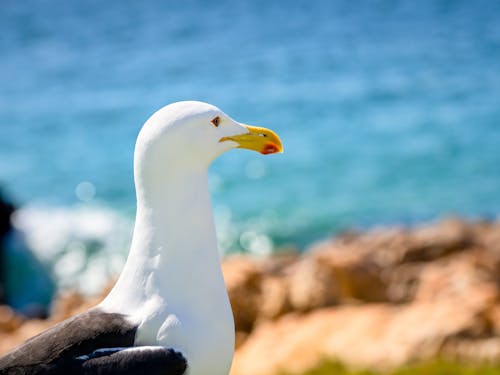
x: 269, y: 148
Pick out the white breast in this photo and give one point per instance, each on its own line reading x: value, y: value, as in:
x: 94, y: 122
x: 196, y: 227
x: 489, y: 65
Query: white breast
x: 206, y: 338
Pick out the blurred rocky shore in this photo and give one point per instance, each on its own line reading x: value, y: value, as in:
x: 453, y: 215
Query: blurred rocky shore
x: 379, y: 299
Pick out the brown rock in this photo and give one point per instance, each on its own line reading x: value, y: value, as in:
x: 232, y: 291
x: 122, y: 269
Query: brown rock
x: 377, y: 336
x: 485, y: 350
x: 493, y: 316
x: 274, y: 298
x: 9, y: 321
x: 334, y: 275
x: 257, y: 288
x: 391, y: 246
x: 312, y: 285
x: 460, y: 275
x: 22, y: 333
x: 243, y: 277
x: 432, y: 241
x: 487, y: 235
x: 402, y: 281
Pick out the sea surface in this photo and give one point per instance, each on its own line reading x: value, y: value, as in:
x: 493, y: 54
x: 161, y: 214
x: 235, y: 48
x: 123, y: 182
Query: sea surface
x: 389, y: 112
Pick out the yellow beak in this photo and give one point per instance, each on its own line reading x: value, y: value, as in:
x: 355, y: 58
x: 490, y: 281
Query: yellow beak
x: 258, y: 139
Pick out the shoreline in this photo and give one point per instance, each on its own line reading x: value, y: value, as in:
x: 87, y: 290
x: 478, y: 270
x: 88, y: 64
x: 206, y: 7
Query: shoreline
x: 377, y: 299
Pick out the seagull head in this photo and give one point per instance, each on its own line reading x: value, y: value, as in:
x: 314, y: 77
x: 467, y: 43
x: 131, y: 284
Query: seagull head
x: 194, y: 133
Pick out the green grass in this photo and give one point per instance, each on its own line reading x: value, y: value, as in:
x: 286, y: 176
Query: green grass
x: 436, y: 367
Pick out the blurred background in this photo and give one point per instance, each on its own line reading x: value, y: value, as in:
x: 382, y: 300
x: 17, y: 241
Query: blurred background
x: 389, y: 112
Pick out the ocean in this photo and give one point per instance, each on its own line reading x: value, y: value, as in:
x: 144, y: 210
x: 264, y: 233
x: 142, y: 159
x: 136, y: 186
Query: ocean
x: 389, y: 112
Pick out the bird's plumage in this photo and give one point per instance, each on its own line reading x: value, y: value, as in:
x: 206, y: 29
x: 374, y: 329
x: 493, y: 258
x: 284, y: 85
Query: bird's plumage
x: 72, y: 347
x: 169, y: 310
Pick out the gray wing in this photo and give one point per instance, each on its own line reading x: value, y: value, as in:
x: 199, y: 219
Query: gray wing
x: 78, y: 346
x: 149, y: 360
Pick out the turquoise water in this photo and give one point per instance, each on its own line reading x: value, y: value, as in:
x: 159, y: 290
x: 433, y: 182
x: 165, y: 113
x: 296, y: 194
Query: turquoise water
x: 389, y: 112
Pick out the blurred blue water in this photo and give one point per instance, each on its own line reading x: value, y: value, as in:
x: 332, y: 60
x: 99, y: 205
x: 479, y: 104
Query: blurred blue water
x: 389, y: 110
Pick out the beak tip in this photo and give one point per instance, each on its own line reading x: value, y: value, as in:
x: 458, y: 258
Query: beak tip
x: 272, y: 148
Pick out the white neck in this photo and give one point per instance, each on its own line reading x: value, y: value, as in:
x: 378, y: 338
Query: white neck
x: 174, y: 253
x: 172, y: 285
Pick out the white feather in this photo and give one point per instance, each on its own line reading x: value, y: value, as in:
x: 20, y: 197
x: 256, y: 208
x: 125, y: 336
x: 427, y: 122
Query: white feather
x: 172, y: 285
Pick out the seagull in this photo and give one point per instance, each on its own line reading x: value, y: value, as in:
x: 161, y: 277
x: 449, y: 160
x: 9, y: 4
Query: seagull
x: 169, y: 312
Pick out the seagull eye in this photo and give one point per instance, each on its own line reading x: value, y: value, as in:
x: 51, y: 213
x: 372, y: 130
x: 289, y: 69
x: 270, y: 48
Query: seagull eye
x: 215, y: 121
